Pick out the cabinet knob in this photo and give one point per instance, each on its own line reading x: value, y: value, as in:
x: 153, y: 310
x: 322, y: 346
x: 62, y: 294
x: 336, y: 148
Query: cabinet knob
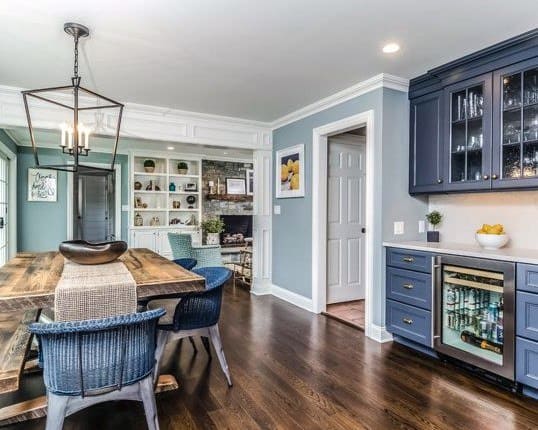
x: 407, y: 320
x: 494, y: 176
x: 439, y: 181
x: 485, y: 177
x: 408, y: 286
x: 408, y: 259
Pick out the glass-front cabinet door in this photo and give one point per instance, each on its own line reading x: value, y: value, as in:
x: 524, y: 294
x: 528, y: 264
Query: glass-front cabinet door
x: 516, y: 131
x: 468, y: 134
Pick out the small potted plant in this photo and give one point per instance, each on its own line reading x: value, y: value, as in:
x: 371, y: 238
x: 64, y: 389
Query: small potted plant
x: 212, y: 228
x: 149, y: 166
x: 182, y: 168
x: 434, y: 218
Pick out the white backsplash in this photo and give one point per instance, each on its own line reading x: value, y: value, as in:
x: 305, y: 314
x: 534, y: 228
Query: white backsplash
x: 463, y: 214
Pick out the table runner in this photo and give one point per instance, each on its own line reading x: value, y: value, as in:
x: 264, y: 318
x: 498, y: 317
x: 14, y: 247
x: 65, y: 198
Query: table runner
x: 94, y: 291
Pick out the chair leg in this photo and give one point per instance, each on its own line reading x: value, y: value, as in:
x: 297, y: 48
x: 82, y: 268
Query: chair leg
x: 205, y: 341
x: 150, y: 407
x: 56, y: 409
x: 193, y: 344
x: 217, y: 344
x: 162, y: 339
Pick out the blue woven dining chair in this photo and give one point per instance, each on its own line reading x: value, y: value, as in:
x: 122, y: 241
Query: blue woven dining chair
x: 197, y: 314
x: 184, y: 252
x: 94, y: 361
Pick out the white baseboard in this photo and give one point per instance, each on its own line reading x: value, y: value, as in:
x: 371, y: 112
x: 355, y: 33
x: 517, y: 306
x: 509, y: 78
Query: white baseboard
x: 379, y: 333
x: 261, y: 287
x: 293, y: 298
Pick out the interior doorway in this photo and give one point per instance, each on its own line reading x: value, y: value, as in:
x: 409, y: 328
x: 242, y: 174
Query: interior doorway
x: 346, y: 226
x: 94, y: 205
x: 97, y: 200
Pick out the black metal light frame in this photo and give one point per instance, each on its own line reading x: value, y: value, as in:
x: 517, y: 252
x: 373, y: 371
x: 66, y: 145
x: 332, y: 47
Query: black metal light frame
x: 77, y: 31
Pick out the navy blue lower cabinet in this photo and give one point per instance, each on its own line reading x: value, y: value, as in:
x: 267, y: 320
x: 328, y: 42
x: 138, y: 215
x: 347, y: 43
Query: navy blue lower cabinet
x: 412, y: 288
x: 527, y: 278
x: 407, y: 259
x: 527, y: 315
x: 409, y: 322
x: 527, y: 362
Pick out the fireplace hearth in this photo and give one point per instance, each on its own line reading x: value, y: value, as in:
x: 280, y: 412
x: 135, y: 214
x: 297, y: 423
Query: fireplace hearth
x: 236, y: 229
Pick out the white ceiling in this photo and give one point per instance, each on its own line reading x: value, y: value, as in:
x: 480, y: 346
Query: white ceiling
x: 254, y: 59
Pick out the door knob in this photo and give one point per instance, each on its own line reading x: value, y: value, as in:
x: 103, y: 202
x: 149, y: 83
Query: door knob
x: 439, y: 181
x: 494, y: 176
x: 363, y: 230
x: 485, y: 177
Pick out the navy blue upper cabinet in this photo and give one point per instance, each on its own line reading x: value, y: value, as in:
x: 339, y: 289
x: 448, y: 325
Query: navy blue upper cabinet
x: 425, y: 131
x: 468, y: 134
x: 515, y: 126
x: 474, y: 121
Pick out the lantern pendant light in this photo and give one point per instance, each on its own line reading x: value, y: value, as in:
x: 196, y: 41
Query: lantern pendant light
x: 76, y: 101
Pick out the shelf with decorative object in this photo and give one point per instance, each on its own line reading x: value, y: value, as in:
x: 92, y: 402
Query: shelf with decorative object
x: 230, y: 197
x: 165, y: 194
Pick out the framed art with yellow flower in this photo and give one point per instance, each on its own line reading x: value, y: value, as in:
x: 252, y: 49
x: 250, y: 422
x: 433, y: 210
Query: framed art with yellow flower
x: 290, y: 172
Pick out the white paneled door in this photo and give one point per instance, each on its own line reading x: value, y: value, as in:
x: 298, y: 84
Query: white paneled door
x: 345, y: 221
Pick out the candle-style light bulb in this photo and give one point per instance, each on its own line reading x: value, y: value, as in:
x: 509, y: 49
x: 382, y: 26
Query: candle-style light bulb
x: 63, y: 128
x: 86, y: 139
x: 70, y: 138
x: 80, y: 133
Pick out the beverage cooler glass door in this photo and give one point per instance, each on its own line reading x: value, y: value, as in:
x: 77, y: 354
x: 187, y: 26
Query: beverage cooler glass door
x: 475, y: 321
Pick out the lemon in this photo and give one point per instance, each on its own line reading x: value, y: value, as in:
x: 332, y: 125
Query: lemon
x: 294, y: 183
x: 290, y: 164
x: 283, y: 173
x: 295, y: 167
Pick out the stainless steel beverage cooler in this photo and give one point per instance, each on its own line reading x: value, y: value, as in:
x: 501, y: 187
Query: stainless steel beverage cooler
x: 474, y: 318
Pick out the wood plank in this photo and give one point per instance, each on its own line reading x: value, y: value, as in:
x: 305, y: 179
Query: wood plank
x: 24, y: 411
x: 37, y: 408
x: 28, y: 280
x: 15, y: 338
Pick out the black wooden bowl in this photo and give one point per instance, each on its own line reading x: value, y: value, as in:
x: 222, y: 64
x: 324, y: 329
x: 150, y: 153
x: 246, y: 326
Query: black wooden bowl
x: 82, y: 252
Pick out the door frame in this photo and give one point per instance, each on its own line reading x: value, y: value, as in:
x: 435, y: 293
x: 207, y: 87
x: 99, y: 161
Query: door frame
x: 319, y: 209
x: 117, y: 197
x: 12, y: 200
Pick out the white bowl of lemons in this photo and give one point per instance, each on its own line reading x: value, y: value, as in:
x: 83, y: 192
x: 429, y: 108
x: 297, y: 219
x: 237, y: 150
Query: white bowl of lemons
x: 492, y: 236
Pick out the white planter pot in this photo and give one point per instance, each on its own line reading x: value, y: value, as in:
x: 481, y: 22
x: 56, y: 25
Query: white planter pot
x: 213, y: 238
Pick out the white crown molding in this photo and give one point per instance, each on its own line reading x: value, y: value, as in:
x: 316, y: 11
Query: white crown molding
x: 149, y: 122
x: 383, y: 80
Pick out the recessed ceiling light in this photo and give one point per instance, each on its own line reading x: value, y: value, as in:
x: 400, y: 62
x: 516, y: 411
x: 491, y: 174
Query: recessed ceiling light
x: 391, y: 48
x: 225, y: 153
x: 171, y: 148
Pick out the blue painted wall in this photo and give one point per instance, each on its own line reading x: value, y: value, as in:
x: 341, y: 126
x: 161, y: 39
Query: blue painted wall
x: 41, y: 226
x: 6, y: 140
x: 292, y: 230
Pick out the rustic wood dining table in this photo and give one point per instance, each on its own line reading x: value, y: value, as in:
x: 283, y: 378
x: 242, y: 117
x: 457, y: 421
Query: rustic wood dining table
x: 27, y: 284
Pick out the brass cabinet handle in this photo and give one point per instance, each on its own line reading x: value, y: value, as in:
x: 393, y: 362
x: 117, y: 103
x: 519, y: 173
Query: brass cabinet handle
x: 485, y: 177
x: 408, y: 259
x: 407, y: 320
x: 408, y: 286
x: 494, y: 176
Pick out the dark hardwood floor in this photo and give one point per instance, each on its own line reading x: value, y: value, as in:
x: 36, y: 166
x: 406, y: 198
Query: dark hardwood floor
x: 295, y: 370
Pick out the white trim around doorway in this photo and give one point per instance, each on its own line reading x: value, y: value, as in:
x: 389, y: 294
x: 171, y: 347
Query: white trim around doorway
x: 117, y: 196
x: 12, y: 200
x: 319, y: 210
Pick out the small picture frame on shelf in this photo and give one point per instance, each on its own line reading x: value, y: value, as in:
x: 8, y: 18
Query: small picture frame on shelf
x: 250, y: 182
x: 236, y: 186
x: 191, y: 187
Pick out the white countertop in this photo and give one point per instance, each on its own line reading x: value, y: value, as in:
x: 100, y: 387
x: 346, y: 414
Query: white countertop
x: 529, y: 256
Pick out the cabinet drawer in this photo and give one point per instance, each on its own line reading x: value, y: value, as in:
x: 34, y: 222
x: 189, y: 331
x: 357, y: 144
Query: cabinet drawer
x: 527, y: 362
x: 409, y: 322
x: 527, y: 315
x: 527, y: 278
x: 407, y: 259
x: 412, y: 288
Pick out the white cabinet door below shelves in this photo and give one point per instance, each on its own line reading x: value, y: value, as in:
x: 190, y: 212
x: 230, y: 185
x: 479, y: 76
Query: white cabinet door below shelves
x: 145, y: 239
